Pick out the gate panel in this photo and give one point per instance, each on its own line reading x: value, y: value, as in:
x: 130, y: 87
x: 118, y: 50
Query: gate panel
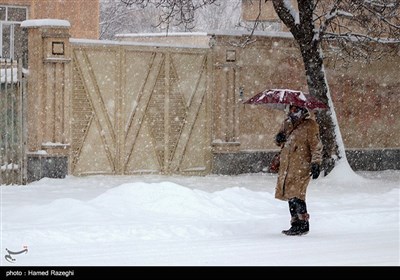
x: 95, y: 150
x: 189, y: 133
x: 12, y: 124
x: 144, y: 113
x: 170, y: 129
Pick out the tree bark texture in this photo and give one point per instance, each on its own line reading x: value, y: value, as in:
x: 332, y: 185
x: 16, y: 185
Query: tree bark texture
x: 303, y: 31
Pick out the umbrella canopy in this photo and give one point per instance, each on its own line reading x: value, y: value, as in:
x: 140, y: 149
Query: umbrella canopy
x: 279, y: 98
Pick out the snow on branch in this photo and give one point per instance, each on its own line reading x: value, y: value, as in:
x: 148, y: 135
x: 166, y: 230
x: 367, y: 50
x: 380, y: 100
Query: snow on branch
x: 356, y: 27
x: 285, y: 12
x: 288, y: 6
x: 357, y: 37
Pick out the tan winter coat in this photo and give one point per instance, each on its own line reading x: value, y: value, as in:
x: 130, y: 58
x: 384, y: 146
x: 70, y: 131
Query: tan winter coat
x: 302, y: 148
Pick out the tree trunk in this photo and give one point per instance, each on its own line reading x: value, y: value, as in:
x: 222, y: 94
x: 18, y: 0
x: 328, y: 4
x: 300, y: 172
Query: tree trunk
x: 317, y: 85
x: 303, y: 30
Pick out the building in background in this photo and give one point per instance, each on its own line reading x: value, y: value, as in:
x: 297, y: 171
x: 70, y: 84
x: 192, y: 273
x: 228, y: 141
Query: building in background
x: 82, y: 14
x: 263, y: 12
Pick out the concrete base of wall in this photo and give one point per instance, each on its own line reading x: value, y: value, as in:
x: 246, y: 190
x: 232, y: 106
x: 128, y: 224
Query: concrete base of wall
x: 254, y: 162
x: 242, y: 162
x: 374, y: 160
x: 40, y: 166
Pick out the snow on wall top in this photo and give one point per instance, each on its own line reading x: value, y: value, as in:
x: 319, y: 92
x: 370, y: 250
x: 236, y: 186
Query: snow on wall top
x: 256, y: 33
x: 169, y: 34
x: 146, y: 44
x: 209, y: 33
x: 176, y: 34
x: 45, y: 22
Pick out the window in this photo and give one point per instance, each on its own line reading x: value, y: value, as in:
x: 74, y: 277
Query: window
x: 13, y: 39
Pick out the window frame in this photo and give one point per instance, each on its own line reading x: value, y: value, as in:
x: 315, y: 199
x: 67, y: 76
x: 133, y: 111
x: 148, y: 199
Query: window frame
x: 10, y: 24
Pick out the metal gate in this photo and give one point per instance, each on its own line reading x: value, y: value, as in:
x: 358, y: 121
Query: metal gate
x: 12, y: 123
x: 140, y: 110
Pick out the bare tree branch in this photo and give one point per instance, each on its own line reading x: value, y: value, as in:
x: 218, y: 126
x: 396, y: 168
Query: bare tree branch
x: 177, y: 12
x: 356, y: 26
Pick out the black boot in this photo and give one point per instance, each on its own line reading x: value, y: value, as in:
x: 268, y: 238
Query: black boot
x: 301, y: 227
x: 294, y: 221
x: 299, y: 222
x: 304, y: 227
x: 294, y: 229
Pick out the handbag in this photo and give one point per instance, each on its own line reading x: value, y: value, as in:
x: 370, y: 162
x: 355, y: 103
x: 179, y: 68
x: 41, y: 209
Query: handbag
x: 275, y: 162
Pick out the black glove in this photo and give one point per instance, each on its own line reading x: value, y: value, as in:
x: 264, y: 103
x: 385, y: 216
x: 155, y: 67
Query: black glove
x: 280, y: 138
x: 315, y: 170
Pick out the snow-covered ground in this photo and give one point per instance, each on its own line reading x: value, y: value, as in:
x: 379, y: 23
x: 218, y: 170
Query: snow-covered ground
x: 200, y: 221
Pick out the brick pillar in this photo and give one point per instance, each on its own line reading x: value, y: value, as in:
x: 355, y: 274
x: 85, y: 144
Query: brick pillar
x: 227, y: 96
x: 48, y: 95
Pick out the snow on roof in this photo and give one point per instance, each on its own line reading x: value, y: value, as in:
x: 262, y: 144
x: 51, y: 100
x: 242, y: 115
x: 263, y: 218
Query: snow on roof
x: 45, y: 22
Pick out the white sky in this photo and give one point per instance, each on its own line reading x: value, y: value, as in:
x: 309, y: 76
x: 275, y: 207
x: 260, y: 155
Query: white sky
x: 200, y: 221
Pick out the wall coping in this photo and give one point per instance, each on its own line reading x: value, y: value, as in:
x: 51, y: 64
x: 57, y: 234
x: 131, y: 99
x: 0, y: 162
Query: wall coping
x: 35, y: 23
x: 210, y: 33
x: 162, y: 34
x: 103, y: 43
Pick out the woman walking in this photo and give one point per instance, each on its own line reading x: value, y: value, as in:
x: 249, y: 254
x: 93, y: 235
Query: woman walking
x: 301, y: 157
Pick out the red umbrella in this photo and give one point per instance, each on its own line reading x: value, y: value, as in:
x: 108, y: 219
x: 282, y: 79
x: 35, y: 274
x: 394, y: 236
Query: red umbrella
x: 279, y: 98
